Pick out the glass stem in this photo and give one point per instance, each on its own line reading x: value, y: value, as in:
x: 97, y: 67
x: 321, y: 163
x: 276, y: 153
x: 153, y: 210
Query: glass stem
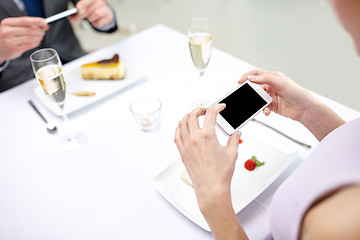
x: 64, y: 116
x: 202, y: 72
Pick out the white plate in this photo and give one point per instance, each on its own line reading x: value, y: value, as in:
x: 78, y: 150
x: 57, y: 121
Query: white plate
x: 102, y: 88
x: 246, y: 185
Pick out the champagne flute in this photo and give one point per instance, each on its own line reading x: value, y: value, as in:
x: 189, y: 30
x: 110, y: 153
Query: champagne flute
x: 48, y: 71
x: 200, y: 43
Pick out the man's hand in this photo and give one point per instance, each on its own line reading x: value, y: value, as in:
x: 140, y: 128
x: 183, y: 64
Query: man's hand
x: 20, y: 34
x: 95, y: 11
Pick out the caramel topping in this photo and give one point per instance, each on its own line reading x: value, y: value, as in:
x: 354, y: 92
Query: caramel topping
x: 84, y: 94
x: 114, y: 59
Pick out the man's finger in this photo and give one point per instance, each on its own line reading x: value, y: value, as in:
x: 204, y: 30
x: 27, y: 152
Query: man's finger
x: 25, y: 21
x: 24, y: 40
x: 86, y: 3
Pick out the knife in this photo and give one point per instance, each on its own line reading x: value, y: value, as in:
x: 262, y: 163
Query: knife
x: 285, y: 135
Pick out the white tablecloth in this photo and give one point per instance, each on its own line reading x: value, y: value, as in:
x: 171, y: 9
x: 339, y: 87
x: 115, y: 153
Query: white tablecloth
x: 105, y: 190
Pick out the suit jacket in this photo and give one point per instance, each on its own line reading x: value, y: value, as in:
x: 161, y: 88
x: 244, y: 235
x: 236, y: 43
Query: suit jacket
x: 60, y: 36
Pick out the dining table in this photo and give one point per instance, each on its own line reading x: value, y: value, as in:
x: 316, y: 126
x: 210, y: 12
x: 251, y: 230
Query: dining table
x: 106, y: 189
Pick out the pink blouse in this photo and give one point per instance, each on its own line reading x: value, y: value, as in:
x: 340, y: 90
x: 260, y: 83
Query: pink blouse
x: 334, y: 163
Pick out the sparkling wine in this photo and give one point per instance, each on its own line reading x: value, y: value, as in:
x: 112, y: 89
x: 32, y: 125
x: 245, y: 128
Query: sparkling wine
x: 52, y: 82
x: 200, y: 48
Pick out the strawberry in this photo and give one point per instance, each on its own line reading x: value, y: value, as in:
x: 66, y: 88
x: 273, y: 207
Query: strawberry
x: 252, y: 163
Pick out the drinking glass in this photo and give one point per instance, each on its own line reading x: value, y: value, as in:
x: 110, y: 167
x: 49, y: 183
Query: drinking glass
x: 48, y: 71
x: 200, y: 43
x: 146, y: 112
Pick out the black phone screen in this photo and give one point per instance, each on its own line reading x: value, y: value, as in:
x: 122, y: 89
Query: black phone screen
x: 241, y: 105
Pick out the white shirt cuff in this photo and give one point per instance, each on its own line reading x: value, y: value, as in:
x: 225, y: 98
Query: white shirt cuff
x: 4, y: 65
x: 110, y: 25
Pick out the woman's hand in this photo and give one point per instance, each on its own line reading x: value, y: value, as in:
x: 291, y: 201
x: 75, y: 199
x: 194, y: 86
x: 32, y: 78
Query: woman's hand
x: 95, y: 11
x: 211, y: 167
x: 295, y: 102
x: 288, y: 98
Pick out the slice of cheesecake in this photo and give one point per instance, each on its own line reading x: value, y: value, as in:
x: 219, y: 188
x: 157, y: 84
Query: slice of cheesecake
x: 105, y: 69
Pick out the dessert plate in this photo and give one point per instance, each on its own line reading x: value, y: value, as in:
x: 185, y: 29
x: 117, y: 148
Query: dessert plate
x: 246, y: 185
x: 97, y: 89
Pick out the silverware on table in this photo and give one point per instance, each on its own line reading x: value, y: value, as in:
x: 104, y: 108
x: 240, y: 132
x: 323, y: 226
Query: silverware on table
x: 51, y: 128
x: 283, y: 134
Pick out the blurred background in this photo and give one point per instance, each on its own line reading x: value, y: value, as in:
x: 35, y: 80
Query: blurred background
x: 301, y: 38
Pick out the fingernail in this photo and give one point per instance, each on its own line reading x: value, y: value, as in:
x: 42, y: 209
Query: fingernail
x: 251, y: 77
x: 239, y: 134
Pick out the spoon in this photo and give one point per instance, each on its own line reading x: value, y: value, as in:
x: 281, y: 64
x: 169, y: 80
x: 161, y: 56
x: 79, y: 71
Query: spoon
x: 51, y: 128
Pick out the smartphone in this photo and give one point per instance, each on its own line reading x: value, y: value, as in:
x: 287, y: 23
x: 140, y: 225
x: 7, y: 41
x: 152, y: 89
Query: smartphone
x: 61, y: 15
x: 242, y: 104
